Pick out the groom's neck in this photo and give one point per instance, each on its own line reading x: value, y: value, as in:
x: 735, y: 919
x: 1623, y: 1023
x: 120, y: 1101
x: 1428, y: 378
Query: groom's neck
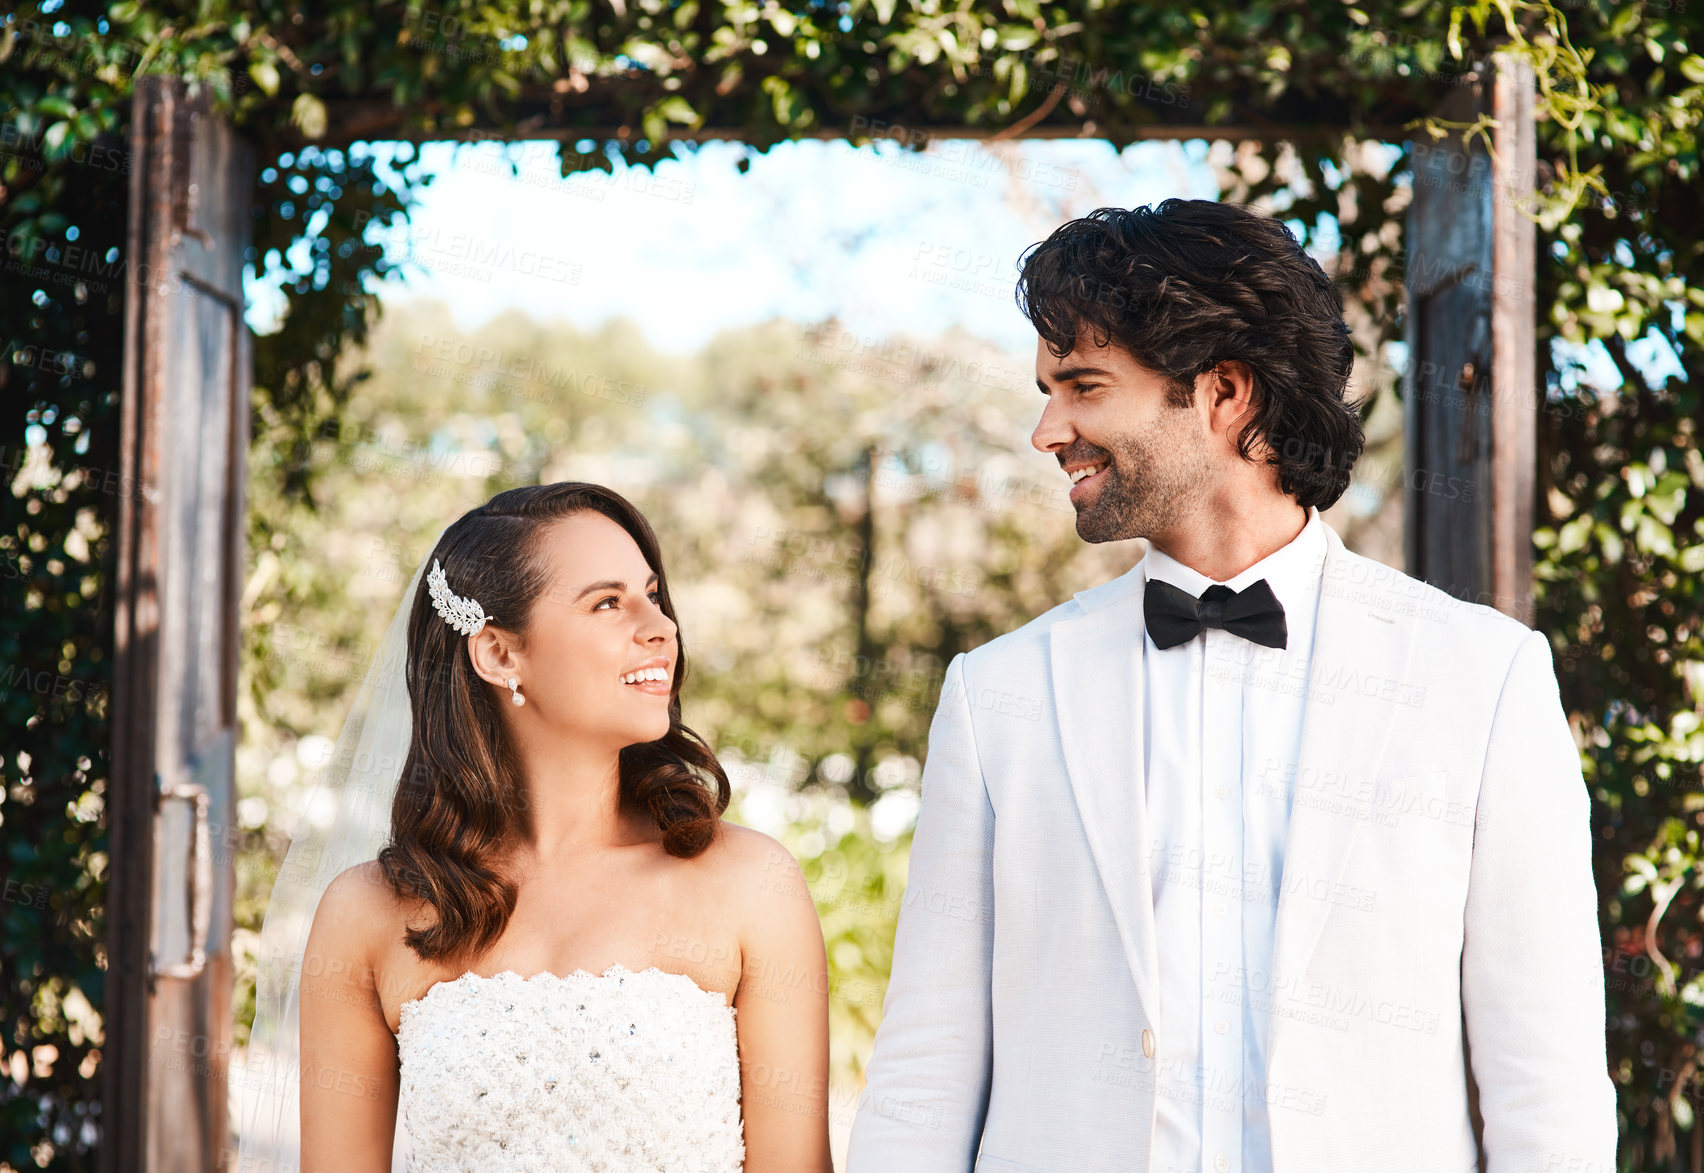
x: 1224, y: 538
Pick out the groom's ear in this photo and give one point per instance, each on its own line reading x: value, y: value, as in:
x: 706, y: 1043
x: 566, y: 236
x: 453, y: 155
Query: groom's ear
x: 1232, y: 391
x: 494, y: 655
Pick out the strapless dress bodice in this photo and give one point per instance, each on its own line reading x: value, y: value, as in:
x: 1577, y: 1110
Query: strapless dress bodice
x: 618, y: 1072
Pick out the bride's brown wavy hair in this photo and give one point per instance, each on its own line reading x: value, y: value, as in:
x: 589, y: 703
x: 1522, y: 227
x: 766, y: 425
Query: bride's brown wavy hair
x: 461, y: 805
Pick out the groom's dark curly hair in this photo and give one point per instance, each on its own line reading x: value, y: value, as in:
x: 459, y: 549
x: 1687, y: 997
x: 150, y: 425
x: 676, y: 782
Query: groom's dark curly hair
x: 1188, y: 284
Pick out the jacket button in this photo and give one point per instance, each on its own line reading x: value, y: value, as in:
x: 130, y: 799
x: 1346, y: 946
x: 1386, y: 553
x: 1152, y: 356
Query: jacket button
x: 1147, y: 1044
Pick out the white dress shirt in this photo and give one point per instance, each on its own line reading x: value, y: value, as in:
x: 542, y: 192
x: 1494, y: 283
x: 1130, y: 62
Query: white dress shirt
x: 1223, y: 716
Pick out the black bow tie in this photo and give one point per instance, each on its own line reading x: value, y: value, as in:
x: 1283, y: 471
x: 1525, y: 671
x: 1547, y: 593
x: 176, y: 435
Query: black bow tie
x: 1174, y: 615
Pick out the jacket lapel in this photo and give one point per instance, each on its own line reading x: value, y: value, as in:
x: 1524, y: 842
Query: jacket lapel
x: 1096, y: 660
x: 1360, y: 644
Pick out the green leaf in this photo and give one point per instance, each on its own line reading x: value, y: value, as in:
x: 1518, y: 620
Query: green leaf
x: 308, y: 113
x: 56, y: 143
x: 265, y: 76
x: 1571, y: 538
x: 678, y: 109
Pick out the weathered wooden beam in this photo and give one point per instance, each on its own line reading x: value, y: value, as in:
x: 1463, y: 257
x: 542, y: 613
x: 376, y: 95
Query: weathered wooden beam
x: 607, y: 109
x: 129, y: 800
x: 1470, y: 394
x: 1514, y: 361
x: 185, y: 415
x: 341, y: 133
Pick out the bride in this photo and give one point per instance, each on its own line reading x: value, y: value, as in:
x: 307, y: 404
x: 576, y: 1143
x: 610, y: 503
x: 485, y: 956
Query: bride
x: 561, y: 958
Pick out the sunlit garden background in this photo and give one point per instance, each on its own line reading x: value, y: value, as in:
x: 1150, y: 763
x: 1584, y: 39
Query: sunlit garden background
x: 824, y: 408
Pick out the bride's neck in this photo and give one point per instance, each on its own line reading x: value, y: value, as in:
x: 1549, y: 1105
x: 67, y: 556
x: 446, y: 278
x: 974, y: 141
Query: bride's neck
x: 573, y: 796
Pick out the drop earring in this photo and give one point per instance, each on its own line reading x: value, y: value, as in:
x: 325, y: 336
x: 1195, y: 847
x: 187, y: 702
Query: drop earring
x: 514, y: 691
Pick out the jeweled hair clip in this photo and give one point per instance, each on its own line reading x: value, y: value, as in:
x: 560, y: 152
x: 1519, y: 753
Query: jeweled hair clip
x: 465, y: 615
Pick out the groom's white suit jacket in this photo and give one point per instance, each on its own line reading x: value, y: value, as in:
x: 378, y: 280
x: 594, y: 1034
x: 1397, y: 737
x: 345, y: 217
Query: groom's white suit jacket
x: 1441, y: 830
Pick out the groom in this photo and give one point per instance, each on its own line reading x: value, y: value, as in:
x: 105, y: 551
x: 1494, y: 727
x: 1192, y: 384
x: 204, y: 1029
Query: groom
x: 1285, y: 848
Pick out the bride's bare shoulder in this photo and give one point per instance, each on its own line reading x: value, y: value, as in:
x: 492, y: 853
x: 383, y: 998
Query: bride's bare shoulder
x: 358, y: 913
x: 755, y: 871
x: 761, y: 887
x: 739, y: 851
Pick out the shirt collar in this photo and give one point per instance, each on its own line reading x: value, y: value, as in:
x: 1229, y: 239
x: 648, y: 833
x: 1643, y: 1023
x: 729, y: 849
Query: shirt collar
x: 1292, y: 571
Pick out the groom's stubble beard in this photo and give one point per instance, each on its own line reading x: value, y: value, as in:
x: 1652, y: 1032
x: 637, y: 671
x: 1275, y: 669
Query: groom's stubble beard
x: 1157, y: 480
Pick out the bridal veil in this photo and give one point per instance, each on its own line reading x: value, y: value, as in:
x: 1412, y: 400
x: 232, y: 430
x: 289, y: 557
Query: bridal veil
x: 345, y: 821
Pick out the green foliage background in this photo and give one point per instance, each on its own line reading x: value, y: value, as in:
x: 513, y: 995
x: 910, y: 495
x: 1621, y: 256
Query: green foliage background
x: 1621, y: 490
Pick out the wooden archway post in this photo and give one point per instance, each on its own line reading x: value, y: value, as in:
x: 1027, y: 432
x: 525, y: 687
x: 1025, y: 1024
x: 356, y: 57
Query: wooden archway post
x: 185, y: 427
x: 1514, y: 359
x: 1470, y: 390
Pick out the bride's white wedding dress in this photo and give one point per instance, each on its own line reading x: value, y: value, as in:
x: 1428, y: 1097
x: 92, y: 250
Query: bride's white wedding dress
x: 608, y: 1073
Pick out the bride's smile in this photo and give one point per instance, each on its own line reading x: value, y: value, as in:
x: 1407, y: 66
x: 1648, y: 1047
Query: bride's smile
x: 651, y: 679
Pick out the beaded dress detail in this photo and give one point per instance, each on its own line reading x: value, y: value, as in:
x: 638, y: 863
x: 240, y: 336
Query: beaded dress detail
x: 617, y: 1072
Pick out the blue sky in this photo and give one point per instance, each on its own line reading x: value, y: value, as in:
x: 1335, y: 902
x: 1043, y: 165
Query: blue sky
x: 885, y: 240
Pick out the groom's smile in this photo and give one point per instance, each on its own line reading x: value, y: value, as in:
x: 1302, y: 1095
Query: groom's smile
x: 1082, y: 474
